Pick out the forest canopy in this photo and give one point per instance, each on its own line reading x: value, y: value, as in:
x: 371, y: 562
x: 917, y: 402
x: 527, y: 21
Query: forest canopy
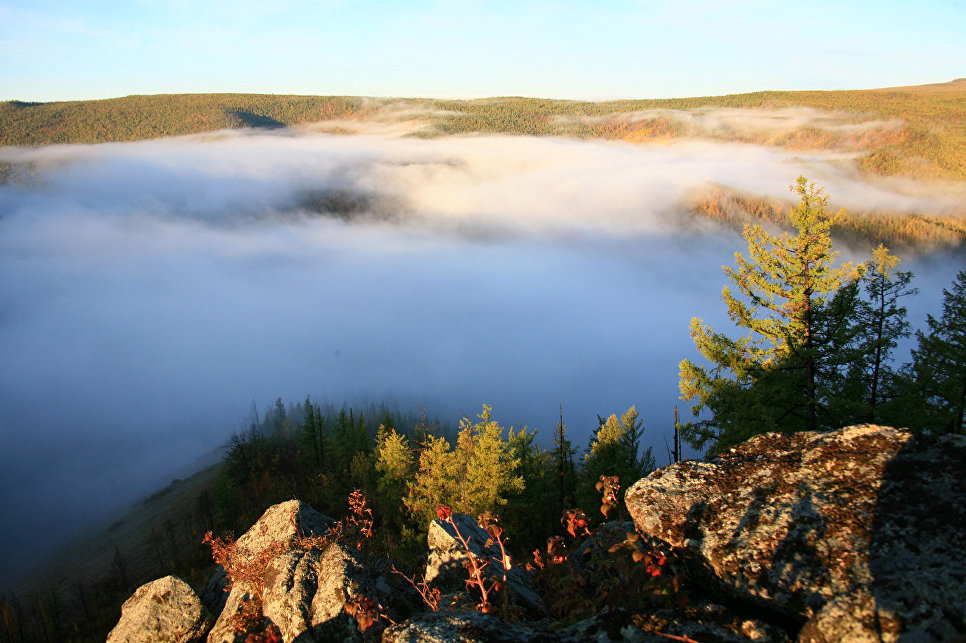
x: 916, y: 131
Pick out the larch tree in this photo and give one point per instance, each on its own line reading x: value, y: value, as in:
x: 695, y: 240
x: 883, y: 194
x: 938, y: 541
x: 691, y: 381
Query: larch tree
x: 432, y: 484
x: 881, y: 320
x: 395, y: 461
x: 939, y: 365
x: 767, y: 379
x: 478, y: 473
x: 614, y: 450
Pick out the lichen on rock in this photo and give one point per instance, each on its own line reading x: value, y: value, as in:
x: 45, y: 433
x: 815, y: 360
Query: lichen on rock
x: 805, y: 526
x: 166, y: 610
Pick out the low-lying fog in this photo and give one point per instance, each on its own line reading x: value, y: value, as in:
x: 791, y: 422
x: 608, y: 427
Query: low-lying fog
x: 151, y: 291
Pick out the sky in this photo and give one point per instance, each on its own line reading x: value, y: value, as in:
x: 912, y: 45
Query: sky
x: 86, y: 49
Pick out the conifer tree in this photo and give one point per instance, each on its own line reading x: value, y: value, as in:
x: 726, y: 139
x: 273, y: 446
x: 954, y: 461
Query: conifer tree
x: 530, y: 513
x: 939, y: 365
x: 311, y: 438
x: 432, y: 484
x: 881, y: 320
x: 769, y: 378
x: 563, y: 466
x: 476, y: 474
x: 614, y: 450
x: 395, y: 464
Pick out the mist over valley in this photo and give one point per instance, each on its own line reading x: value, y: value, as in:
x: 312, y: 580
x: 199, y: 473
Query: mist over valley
x: 153, y: 291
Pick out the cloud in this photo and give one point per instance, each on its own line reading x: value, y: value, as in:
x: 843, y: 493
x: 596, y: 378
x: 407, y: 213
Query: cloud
x: 151, y: 291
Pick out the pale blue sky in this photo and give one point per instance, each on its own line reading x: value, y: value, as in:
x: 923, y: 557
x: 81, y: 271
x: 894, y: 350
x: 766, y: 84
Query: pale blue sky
x: 74, y: 49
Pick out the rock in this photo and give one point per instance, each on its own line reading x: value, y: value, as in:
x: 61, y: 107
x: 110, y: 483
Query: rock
x: 605, y: 627
x: 444, y: 566
x: 280, y: 524
x: 704, y: 621
x: 465, y: 627
x: 306, y: 591
x: 224, y: 630
x: 710, y: 622
x: 165, y: 610
x: 848, y: 534
x: 291, y: 583
x: 214, y: 596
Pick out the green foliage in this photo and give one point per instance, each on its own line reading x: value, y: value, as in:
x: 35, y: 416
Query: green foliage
x: 880, y: 321
x: 301, y: 451
x: 820, y: 343
x: 394, y: 460
x: 768, y: 379
x: 311, y: 438
x: 564, y: 469
x: 395, y: 464
x: 143, y: 117
x: 476, y: 474
x: 938, y: 370
x: 530, y: 513
x: 614, y: 450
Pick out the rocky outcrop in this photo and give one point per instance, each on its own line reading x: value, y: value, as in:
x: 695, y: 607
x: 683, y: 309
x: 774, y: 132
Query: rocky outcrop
x: 703, y: 622
x: 852, y: 534
x: 306, y: 593
x: 281, y: 524
x: 166, y: 610
x: 847, y: 535
x: 224, y: 630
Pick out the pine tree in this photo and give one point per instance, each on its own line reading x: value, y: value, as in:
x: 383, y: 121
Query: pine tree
x: 563, y: 465
x: 530, y: 513
x: 939, y: 365
x: 311, y: 438
x: 769, y: 378
x: 881, y: 321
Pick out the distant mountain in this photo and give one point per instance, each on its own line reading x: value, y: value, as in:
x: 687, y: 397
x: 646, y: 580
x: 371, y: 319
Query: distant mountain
x: 901, y: 131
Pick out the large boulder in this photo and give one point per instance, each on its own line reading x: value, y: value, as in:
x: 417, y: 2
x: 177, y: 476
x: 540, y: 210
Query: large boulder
x: 852, y: 534
x: 444, y: 565
x: 282, y: 524
x: 166, y: 610
x: 306, y: 593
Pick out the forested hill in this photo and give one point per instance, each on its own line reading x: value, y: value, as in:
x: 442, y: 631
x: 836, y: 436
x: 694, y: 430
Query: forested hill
x: 909, y: 131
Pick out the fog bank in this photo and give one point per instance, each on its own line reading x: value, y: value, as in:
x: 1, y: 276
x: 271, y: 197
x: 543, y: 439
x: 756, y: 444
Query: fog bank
x: 150, y: 291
